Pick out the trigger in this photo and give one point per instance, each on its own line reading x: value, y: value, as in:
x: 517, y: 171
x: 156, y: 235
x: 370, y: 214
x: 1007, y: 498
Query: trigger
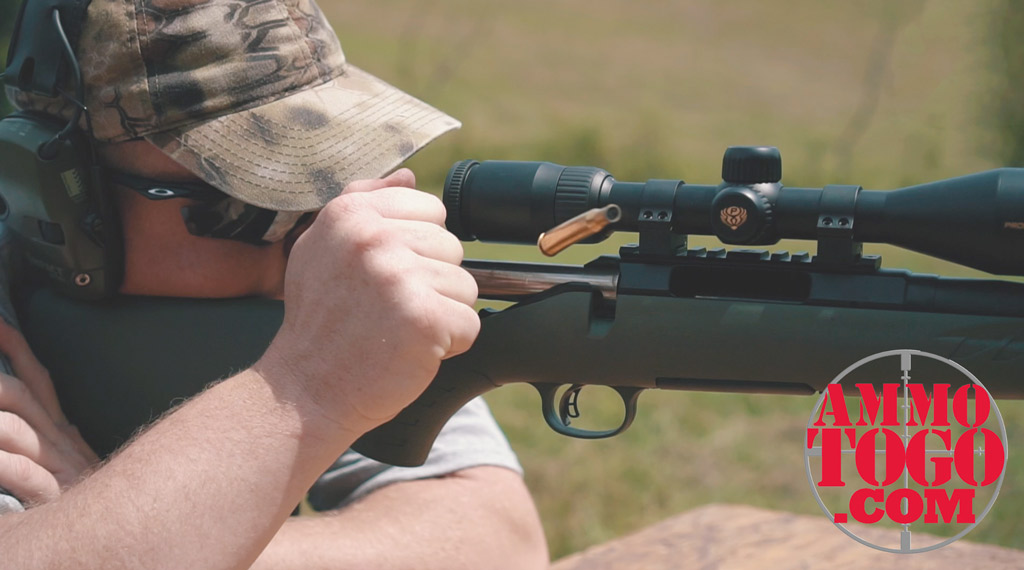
x: 568, y: 406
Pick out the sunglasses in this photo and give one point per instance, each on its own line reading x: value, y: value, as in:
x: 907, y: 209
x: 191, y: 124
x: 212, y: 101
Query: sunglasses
x: 154, y: 189
x: 217, y: 215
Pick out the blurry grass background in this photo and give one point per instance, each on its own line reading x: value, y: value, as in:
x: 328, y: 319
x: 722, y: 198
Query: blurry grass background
x: 878, y: 93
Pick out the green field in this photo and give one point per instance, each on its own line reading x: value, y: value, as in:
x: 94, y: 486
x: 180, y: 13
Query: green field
x: 878, y: 93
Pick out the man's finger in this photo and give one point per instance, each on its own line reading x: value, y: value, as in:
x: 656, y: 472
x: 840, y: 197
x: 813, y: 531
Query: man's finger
x: 389, y: 202
x: 62, y: 458
x: 18, y: 437
x: 464, y: 327
x: 430, y: 241
x: 402, y: 177
x: 449, y: 281
x: 27, y: 480
x: 29, y: 370
x: 17, y: 398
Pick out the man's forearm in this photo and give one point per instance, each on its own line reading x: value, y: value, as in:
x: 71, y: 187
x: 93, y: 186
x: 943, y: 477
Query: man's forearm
x: 477, y: 518
x: 206, y: 487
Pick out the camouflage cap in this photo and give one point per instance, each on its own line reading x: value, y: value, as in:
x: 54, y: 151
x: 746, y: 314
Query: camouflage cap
x: 253, y: 96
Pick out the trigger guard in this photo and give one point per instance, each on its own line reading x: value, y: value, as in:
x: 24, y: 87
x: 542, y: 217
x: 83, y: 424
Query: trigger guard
x: 549, y: 392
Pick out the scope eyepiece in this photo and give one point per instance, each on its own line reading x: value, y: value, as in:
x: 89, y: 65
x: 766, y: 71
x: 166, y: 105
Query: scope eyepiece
x: 452, y: 198
x: 514, y: 201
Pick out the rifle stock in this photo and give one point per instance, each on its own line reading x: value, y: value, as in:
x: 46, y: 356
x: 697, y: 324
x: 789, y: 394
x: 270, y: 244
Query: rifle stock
x: 779, y: 326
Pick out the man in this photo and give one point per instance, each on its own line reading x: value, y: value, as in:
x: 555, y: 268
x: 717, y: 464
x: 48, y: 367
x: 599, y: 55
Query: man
x: 255, y: 99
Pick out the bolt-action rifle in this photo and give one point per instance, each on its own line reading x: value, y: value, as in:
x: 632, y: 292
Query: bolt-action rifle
x: 662, y: 315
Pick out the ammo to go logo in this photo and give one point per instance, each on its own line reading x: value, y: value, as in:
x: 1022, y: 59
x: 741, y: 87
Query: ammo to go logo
x: 902, y: 450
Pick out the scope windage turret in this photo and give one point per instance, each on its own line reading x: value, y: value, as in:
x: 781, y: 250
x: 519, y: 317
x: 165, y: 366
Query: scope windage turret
x: 975, y: 220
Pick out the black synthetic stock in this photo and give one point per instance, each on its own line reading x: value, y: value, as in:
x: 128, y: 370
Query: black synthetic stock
x: 406, y: 440
x: 659, y: 334
x: 121, y: 363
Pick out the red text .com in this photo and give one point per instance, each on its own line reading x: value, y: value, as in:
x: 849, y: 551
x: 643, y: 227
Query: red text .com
x: 835, y: 431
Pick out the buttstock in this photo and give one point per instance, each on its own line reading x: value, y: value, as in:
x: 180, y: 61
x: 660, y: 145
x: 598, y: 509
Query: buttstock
x: 406, y: 439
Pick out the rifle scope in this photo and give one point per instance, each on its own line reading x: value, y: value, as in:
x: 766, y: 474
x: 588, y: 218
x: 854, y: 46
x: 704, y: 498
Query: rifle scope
x: 975, y: 220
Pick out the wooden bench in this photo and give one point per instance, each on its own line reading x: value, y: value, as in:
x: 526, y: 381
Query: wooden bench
x: 736, y: 536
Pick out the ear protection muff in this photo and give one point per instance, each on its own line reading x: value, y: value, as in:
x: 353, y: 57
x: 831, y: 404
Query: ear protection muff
x: 52, y: 192
x: 56, y: 209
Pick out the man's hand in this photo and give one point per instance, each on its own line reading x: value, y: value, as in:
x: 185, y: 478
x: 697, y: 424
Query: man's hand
x: 374, y: 300
x: 40, y: 452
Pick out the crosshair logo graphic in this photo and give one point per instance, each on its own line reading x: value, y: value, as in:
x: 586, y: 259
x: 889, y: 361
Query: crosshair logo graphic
x: 924, y: 453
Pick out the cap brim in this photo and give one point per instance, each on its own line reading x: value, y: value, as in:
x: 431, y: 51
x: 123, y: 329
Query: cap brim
x: 299, y: 152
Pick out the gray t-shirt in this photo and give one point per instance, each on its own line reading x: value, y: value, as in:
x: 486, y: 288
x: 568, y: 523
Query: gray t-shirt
x: 470, y: 438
